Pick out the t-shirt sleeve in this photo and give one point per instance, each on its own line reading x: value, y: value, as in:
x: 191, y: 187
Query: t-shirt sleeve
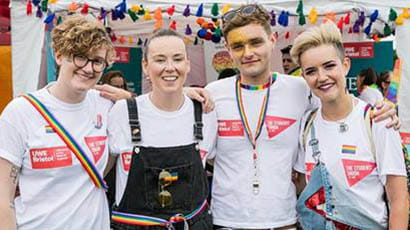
x: 12, y: 144
x: 119, y: 133
x: 389, y: 153
x: 208, y: 145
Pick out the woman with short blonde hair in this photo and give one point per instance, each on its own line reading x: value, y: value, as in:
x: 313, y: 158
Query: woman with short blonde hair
x: 351, y: 162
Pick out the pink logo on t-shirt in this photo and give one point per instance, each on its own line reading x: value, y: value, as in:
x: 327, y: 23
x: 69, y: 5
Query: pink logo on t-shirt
x: 309, y: 166
x: 96, y: 146
x: 203, y: 153
x: 53, y: 157
x: 230, y: 128
x: 276, y: 125
x: 126, y: 158
x: 357, y: 170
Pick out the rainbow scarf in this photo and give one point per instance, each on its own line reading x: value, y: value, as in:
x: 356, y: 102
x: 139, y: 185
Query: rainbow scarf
x: 87, y: 164
x: 132, y: 219
x: 392, y: 92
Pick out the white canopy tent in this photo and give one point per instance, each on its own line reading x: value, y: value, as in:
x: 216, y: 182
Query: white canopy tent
x: 28, y: 31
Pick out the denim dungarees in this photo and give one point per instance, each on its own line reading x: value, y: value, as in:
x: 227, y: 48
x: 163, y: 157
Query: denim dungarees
x: 340, y: 209
x: 188, y: 192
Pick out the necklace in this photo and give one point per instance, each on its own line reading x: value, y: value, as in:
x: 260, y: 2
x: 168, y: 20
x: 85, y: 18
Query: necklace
x: 343, y: 125
x: 262, y: 114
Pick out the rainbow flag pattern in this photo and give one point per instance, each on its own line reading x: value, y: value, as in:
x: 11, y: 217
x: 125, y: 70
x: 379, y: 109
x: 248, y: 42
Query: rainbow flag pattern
x: 132, y: 219
x: 71, y: 143
x: 173, y: 177
x: 349, y: 149
x: 392, y: 92
x: 49, y: 129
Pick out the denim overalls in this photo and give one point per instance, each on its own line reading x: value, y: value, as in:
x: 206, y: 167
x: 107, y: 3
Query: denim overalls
x: 337, y: 208
x: 188, y: 192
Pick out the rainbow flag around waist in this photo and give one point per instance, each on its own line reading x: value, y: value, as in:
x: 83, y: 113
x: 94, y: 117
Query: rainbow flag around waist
x: 133, y: 219
x: 349, y: 149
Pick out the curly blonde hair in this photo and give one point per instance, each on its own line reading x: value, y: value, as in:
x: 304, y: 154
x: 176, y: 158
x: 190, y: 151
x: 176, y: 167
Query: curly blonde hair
x: 79, y: 35
x: 325, y: 34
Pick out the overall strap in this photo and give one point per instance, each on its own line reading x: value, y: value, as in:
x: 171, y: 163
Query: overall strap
x: 133, y: 119
x: 306, y: 129
x: 198, y: 126
x: 71, y: 143
x: 368, y: 110
x: 314, y: 142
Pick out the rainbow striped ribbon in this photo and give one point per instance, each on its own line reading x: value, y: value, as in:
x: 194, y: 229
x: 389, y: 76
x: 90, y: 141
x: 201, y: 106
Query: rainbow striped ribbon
x: 133, y: 219
x: 87, y: 164
x: 262, y: 113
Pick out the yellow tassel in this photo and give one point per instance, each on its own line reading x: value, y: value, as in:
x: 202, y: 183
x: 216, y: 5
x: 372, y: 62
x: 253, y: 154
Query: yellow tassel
x: 400, y: 20
x: 225, y: 8
x: 130, y: 39
x: 53, y: 1
x: 135, y: 8
x: 313, y: 16
x: 406, y: 13
x: 147, y: 15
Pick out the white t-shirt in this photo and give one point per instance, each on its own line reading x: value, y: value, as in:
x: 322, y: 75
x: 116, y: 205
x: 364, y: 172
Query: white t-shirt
x: 371, y: 95
x: 56, y: 192
x: 233, y: 202
x: 158, y: 129
x: 349, y: 160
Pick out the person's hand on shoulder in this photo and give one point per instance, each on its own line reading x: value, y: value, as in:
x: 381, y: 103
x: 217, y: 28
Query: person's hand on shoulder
x: 385, y: 110
x: 112, y: 93
x: 201, y: 95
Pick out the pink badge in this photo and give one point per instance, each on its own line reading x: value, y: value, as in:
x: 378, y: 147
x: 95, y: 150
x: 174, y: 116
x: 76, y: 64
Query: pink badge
x: 47, y: 158
x: 357, y: 170
x: 96, y: 146
x: 126, y: 161
x: 230, y: 128
x: 276, y: 125
x: 203, y: 153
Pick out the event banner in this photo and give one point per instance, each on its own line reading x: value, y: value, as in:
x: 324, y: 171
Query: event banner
x: 359, y: 49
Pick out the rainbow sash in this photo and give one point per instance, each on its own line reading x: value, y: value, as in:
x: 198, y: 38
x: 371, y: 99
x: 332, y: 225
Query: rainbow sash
x: 132, y: 219
x: 87, y: 164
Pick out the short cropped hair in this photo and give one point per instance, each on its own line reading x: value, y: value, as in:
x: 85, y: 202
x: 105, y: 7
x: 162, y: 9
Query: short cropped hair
x: 259, y: 16
x: 79, y: 35
x: 325, y: 34
x: 158, y: 34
